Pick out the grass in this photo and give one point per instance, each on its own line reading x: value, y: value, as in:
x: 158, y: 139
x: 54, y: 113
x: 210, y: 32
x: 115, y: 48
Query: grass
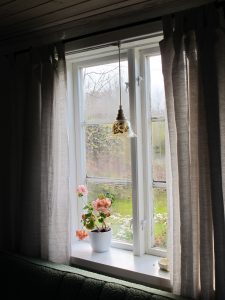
x: 124, y: 208
x: 122, y: 212
x: 160, y: 203
x: 160, y: 218
x: 120, y: 220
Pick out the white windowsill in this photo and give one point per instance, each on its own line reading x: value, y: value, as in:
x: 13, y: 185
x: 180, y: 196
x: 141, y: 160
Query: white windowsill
x: 121, y: 264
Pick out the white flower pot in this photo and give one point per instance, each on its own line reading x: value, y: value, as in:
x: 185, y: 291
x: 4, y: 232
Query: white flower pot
x: 100, y: 241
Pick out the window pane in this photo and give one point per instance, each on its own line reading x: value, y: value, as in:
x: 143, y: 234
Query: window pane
x: 157, y: 87
x: 158, y: 151
x: 106, y: 156
x: 101, y: 92
x: 121, y: 217
x: 160, y: 218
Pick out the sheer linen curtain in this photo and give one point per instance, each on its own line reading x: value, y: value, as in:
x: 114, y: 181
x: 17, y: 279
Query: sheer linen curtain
x: 35, y: 207
x: 193, y: 62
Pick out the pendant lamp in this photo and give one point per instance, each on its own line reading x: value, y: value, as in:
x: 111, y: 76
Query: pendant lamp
x: 121, y: 127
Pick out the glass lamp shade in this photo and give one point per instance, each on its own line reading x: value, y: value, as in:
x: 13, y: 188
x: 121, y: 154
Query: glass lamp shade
x: 122, y: 127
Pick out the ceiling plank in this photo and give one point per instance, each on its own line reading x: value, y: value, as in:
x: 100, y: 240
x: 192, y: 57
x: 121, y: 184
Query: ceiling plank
x: 6, y: 2
x: 36, y: 8
x: 98, y: 24
x: 17, y: 6
x: 83, y: 10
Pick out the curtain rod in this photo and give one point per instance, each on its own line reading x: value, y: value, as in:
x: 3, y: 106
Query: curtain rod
x: 113, y: 40
x: 152, y: 20
x: 73, y: 39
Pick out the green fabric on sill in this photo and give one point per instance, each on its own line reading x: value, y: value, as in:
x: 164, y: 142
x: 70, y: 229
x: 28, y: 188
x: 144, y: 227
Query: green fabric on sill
x: 28, y: 278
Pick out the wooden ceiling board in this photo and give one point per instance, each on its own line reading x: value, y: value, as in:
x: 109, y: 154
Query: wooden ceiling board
x: 79, y: 11
x: 63, y: 24
x: 43, y: 8
x: 80, y: 28
x: 6, y: 2
x: 45, y: 11
x: 16, y: 7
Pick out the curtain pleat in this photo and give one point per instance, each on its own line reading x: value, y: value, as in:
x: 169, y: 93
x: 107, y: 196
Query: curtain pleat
x: 220, y: 61
x: 194, y: 68
x: 209, y: 72
x: 167, y: 52
x: 59, y: 210
x: 205, y: 208
x: 37, y: 208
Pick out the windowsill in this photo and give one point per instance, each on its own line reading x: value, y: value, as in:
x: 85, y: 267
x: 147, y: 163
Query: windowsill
x: 121, y: 264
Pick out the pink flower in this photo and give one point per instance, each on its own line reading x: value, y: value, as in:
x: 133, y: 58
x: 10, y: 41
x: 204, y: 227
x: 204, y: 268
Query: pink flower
x: 105, y: 211
x: 102, y: 205
x: 82, y: 190
x: 81, y: 234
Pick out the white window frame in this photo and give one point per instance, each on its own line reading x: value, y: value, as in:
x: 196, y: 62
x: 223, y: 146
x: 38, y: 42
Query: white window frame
x: 147, y: 120
x: 140, y: 156
x: 80, y: 134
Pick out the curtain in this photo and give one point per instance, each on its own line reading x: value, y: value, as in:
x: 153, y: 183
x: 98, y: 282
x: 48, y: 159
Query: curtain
x: 35, y: 195
x: 193, y: 62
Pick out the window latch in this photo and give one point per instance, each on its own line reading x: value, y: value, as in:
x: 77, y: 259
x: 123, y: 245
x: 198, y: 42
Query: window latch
x: 139, y: 79
x: 131, y: 223
x: 127, y: 86
x: 143, y: 223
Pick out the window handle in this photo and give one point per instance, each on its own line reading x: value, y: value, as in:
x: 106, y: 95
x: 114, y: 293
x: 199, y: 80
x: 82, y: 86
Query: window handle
x: 143, y: 223
x: 131, y: 223
x: 127, y: 86
x: 139, y: 79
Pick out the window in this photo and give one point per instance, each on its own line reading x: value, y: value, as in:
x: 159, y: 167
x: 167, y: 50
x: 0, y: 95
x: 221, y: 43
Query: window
x: 134, y: 170
x: 158, y: 131
x: 105, y: 169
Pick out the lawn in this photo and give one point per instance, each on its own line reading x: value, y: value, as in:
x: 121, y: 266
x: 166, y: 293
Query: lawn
x: 121, y: 217
x: 160, y: 218
x: 122, y: 212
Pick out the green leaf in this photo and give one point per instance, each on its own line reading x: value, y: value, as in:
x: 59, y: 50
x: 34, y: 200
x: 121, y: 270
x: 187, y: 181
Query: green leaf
x: 102, y: 215
x: 88, y: 215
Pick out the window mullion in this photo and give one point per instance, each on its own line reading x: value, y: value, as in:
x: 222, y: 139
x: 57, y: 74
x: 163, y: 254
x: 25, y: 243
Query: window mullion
x: 157, y: 119
x: 72, y: 149
x: 136, y: 152
x: 80, y: 155
x: 107, y: 180
x: 81, y: 118
x: 147, y: 152
x: 156, y: 184
x: 159, y: 184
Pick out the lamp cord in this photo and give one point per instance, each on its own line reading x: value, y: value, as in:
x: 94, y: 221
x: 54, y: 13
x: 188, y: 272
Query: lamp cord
x: 119, y: 74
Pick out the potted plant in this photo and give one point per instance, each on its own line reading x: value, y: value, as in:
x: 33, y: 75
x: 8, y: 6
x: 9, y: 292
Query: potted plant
x: 94, y: 220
